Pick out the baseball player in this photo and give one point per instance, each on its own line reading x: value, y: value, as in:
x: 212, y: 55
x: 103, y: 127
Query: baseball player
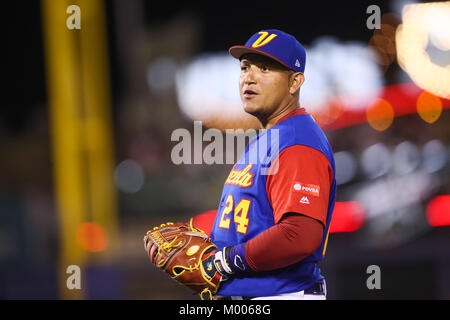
x: 271, y: 226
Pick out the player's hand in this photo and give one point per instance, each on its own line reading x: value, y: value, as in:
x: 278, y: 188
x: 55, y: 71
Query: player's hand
x: 217, y: 265
x: 181, y: 251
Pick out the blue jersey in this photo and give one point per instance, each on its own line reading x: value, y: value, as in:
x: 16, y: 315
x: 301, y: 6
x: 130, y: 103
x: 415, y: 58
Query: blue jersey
x: 245, y: 211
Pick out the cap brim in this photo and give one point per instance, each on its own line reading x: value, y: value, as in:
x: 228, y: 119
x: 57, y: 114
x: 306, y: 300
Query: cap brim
x: 238, y: 51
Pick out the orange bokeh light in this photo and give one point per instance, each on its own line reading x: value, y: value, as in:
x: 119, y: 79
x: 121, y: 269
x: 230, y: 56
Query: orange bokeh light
x: 429, y: 107
x: 92, y: 237
x: 380, y: 114
x: 329, y: 113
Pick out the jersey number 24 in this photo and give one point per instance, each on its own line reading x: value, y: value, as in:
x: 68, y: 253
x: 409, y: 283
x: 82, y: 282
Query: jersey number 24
x: 240, y: 216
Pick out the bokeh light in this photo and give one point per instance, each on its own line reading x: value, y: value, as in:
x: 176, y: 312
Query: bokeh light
x: 92, y: 237
x: 161, y: 74
x: 406, y: 157
x: 434, y: 154
x: 437, y: 20
x: 129, y: 176
x: 429, y: 107
x: 348, y: 216
x: 380, y: 114
x: 412, y: 38
x: 438, y: 211
x: 346, y: 167
x: 383, y: 40
x: 376, y: 160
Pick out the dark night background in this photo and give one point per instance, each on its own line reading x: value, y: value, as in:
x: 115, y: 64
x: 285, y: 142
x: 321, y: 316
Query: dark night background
x: 416, y: 268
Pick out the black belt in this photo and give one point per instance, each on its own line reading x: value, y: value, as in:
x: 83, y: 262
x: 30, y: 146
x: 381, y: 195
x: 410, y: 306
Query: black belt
x: 317, y: 288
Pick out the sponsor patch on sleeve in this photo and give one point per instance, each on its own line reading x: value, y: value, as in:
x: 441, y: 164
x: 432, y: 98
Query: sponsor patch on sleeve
x: 309, y: 189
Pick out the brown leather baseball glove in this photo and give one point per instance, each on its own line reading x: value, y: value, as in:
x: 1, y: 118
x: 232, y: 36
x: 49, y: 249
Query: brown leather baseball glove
x: 182, y: 251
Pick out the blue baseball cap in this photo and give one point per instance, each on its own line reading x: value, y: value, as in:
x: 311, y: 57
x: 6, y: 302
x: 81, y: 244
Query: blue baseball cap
x: 277, y: 45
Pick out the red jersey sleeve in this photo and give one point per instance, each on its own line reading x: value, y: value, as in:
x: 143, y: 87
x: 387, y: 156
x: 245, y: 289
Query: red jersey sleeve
x: 205, y: 221
x: 292, y: 239
x: 300, y: 183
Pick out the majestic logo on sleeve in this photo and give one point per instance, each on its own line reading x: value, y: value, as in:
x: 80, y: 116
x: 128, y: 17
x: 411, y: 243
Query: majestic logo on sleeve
x: 242, y: 178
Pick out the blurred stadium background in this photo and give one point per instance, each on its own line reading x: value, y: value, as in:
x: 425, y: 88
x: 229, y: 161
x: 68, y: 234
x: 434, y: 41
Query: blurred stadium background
x: 87, y: 116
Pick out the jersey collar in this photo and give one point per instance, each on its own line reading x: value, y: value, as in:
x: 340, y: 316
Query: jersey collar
x: 296, y: 112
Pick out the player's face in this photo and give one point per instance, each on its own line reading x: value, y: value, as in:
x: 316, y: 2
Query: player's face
x: 263, y: 85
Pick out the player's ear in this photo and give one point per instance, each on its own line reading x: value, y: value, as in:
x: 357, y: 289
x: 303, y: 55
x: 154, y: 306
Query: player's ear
x: 296, y: 80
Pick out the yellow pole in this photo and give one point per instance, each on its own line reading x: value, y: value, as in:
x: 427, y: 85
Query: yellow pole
x: 62, y: 70
x: 98, y: 122
x: 79, y: 105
